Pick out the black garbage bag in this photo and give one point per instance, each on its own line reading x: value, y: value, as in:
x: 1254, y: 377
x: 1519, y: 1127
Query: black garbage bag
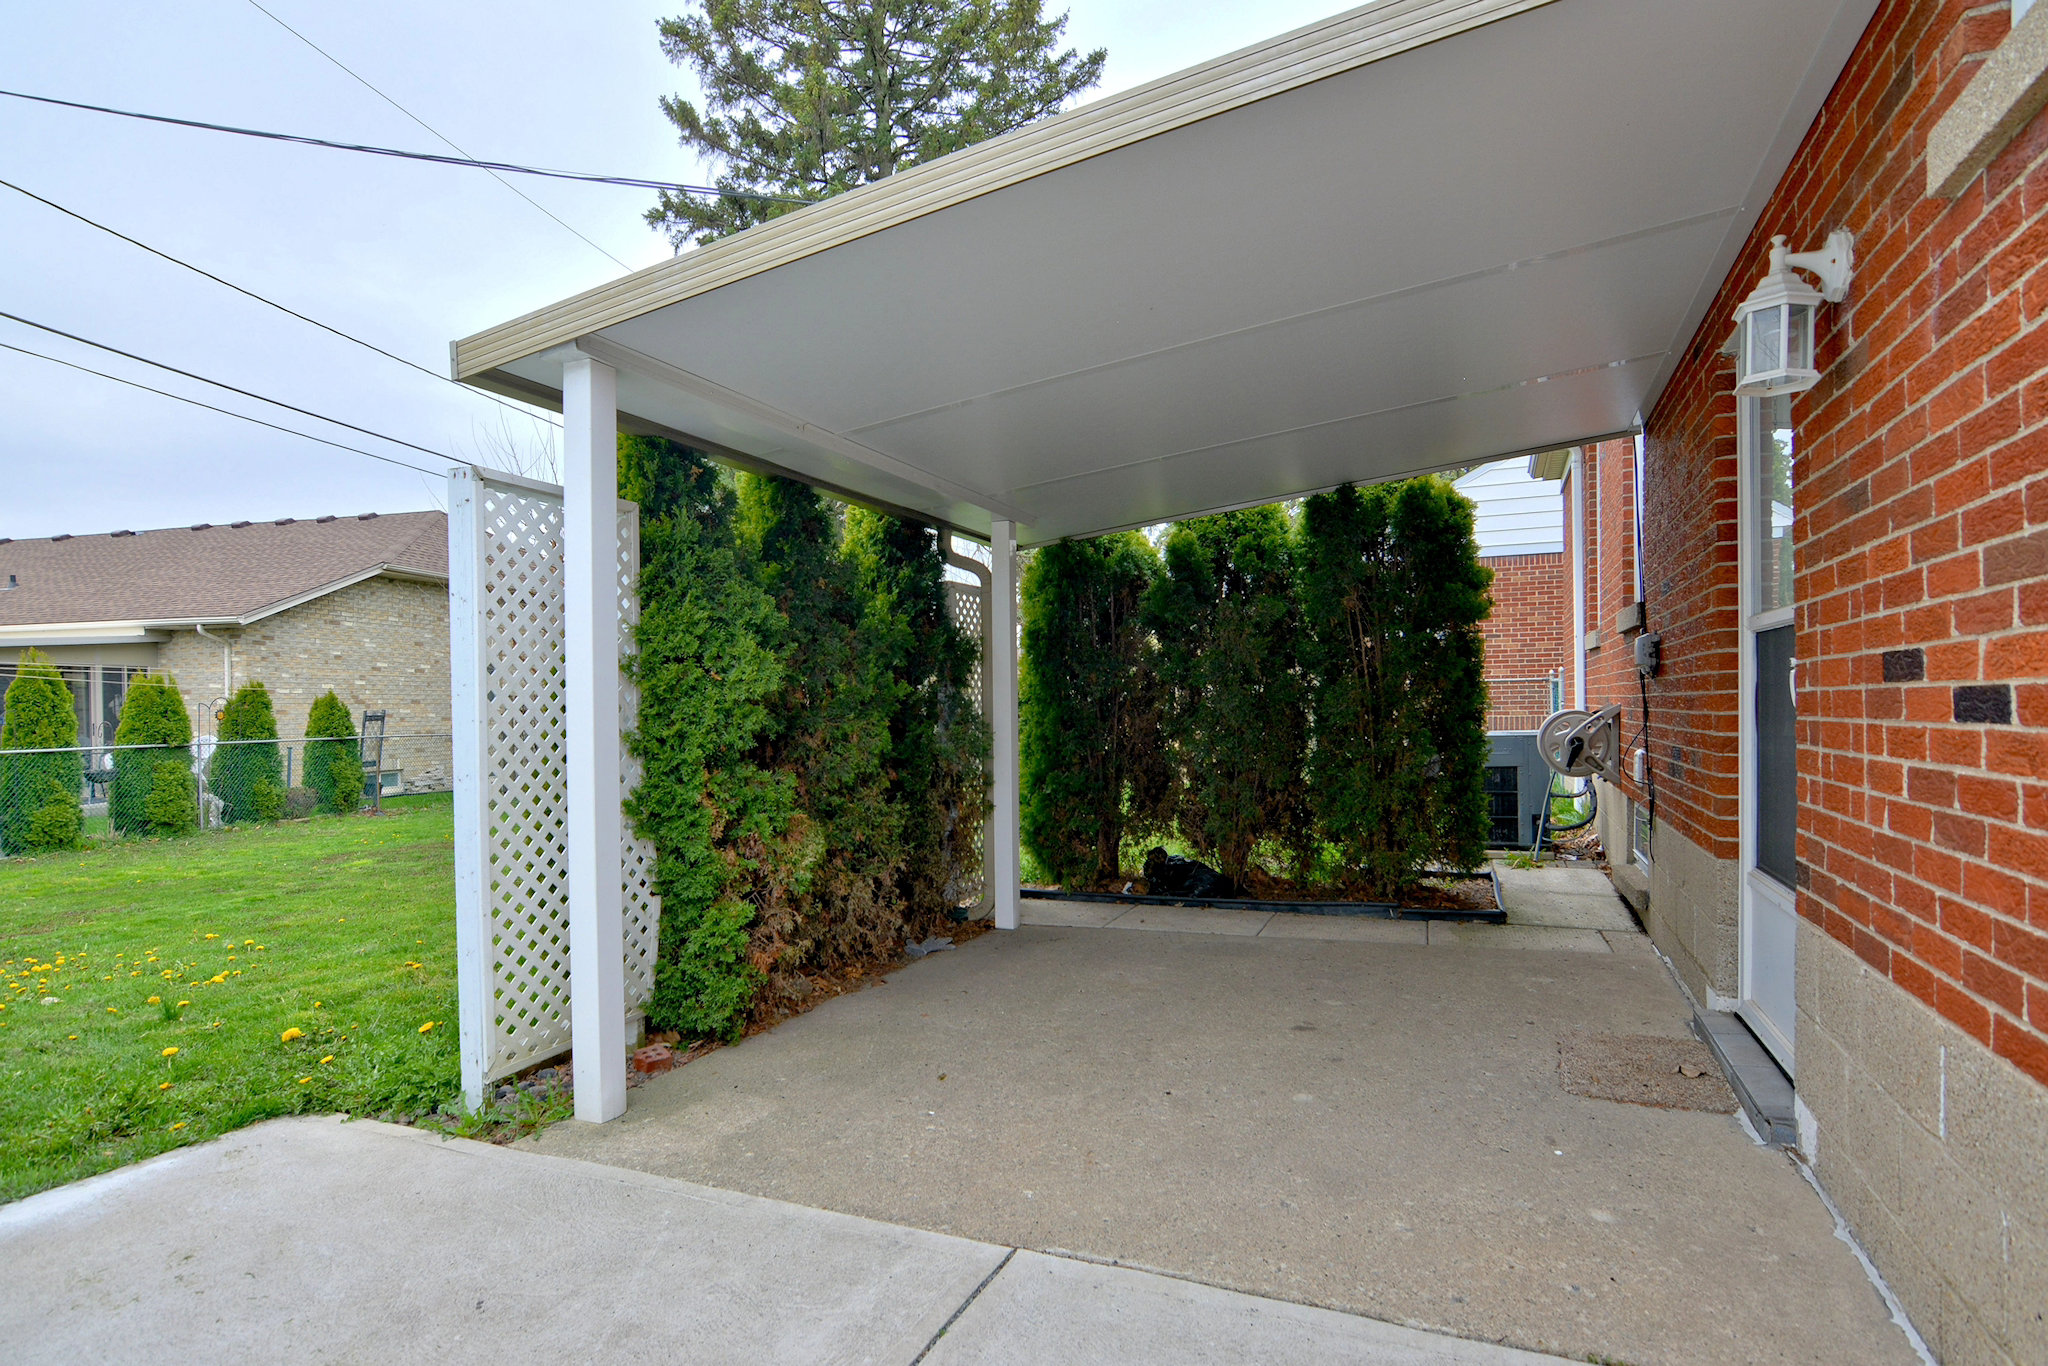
x: 1171, y: 875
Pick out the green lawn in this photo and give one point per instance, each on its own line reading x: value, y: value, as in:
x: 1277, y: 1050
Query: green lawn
x: 177, y: 967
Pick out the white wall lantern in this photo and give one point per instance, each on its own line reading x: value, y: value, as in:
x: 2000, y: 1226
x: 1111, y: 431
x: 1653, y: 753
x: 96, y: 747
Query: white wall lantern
x: 1774, y: 325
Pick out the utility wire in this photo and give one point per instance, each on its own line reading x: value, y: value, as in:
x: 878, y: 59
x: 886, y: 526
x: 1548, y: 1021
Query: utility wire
x: 245, y: 393
x: 630, y: 182
x: 252, y: 294
x: 445, y: 139
x: 136, y: 384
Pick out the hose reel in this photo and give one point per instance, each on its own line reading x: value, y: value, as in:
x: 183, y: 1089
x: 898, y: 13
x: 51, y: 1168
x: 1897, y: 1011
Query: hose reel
x: 1579, y: 744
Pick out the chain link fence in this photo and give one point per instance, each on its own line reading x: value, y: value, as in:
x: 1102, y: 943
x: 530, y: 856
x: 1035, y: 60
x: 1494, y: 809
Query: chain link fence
x: 50, y: 798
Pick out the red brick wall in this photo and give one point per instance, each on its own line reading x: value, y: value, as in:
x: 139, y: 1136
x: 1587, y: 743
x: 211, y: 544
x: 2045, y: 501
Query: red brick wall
x: 1922, y: 538
x: 1528, y: 636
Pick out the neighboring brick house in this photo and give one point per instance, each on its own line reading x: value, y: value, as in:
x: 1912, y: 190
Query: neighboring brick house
x: 1840, y: 829
x: 1518, y: 521
x: 356, y: 604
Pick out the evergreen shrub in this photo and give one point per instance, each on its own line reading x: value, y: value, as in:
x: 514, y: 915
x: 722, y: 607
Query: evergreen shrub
x: 39, y: 793
x: 154, y: 791
x: 813, y: 776
x: 248, y: 779
x: 334, y: 756
x: 707, y: 668
x: 1234, y: 717
x: 1091, y: 763
x: 938, y: 746
x: 1392, y: 596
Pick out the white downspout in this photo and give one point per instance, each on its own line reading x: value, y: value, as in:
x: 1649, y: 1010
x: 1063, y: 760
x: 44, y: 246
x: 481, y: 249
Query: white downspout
x: 227, y: 664
x: 1578, y: 509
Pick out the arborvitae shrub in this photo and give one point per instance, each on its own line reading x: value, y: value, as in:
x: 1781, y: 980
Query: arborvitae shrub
x: 1235, y: 720
x: 153, y: 792
x: 829, y: 730
x: 1393, y: 593
x: 938, y: 747
x: 334, y: 756
x: 707, y: 671
x: 248, y: 778
x: 39, y: 793
x: 1091, y: 763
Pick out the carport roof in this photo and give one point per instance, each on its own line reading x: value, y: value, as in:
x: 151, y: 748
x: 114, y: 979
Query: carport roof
x: 1419, y: 234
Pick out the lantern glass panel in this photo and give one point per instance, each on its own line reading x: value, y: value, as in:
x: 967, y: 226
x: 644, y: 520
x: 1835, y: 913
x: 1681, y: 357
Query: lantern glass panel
x: 1766, y: 340
x: 1798, y: 336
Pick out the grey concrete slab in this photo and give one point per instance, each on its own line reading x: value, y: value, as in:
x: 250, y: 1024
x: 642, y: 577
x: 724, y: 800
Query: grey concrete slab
x: 1192, y: 920
x: 1055, y: 1309
x: 1090, y: 914
x: 315, y: 1240
x: 1555, y: 894
x: 1364, y: 1127
x: 1525, y: 938
x: 1353, y: 929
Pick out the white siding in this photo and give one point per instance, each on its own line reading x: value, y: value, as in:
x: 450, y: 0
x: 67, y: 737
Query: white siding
x: 1516, y: 515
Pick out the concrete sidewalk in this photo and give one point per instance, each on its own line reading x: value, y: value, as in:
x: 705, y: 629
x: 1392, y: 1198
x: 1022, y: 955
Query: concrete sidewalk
x: 318, y: 1240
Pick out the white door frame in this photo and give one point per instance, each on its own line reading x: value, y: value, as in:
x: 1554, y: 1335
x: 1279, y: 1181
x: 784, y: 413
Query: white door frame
x: 1759, y: 891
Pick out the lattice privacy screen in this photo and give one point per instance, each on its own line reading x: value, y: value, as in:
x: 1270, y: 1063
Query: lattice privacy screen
x: 506, y: 591
x: 968, y: 603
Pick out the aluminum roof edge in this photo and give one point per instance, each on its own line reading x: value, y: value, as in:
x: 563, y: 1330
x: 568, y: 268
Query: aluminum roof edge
x: 1359, y: 37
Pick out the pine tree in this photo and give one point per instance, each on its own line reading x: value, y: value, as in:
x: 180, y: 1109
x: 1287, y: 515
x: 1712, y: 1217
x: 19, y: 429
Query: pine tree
x: 807, y: 98
x: 938, y: 747
x: 154, y: 792
x: 1235, y: 710
x: 248, y: 778
x: 39, y: 793
x: 334, y: 756
x: 1091, y: 760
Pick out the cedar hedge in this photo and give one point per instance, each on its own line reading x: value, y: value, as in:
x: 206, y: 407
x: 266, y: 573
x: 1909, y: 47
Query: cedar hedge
x: 247, y: 778
x: 154, y: 791
x: 333, y: 757
x: 39, y: 793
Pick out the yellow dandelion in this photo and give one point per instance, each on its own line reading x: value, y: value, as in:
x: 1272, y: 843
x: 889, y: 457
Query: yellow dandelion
x: 213, y: 936
x: 293, y: 1033
x: 70, y: 1036
x: 179, y: 1125
x: 247, y: 942
x: 171, y: 1052
x: 111, y: 1010
x: 154, y: 1001
x: 316, y: 1005
x: 217, y: 979
x: 163, y: 1086
x: 329, y: 1058
x: 428, y: 1025
x: 304, y: 1080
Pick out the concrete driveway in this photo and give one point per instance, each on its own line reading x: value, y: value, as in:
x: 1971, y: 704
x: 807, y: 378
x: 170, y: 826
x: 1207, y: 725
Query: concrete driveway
x: 1364, y: 1116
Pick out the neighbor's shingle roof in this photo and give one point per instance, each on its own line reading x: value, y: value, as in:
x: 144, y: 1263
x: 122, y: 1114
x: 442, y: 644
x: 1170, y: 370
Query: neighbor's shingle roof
x: 208, y: 573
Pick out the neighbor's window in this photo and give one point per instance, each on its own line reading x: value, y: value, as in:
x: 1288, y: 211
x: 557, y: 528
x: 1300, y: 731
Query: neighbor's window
x: 1639, y: 832
x: 1771, y: 503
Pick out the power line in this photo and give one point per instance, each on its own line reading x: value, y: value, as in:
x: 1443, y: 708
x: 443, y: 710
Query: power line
x: 252, y: 294
x: 136, y: 384
x: 630, y: 182
x: 360, y: 80
x: 245, y: 393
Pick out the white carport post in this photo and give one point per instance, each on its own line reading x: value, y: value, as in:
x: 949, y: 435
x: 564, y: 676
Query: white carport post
x: 590, y: 529
x: 1003, y: 845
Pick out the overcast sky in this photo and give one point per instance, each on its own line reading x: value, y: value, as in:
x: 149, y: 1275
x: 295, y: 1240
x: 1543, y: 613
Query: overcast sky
x: 406, y: 255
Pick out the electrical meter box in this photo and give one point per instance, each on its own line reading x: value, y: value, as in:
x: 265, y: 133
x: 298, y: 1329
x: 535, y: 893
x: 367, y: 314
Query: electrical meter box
x: 1517, y: 783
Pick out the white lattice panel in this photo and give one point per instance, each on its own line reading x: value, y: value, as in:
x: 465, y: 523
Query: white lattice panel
x: 506, y: 605
x: 640, y: 906
x: 968, y: 603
